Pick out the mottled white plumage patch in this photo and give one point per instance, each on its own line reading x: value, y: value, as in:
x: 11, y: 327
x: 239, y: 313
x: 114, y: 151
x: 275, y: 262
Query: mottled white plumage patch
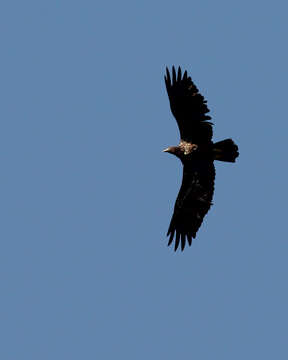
x: 187, y: 147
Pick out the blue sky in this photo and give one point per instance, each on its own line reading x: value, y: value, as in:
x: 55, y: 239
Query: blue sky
x: 87, y: 195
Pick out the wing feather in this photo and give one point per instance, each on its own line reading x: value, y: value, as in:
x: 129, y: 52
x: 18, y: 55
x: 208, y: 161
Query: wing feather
x: 193, y: 202
x: 188, y: 107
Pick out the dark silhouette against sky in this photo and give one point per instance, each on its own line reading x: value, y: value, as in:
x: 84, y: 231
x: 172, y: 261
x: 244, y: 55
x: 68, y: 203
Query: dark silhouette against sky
x: 197, y: 154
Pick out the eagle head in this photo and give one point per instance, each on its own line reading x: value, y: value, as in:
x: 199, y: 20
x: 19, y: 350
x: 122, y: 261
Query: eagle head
x: 175, y: 150
x: 184, y: 148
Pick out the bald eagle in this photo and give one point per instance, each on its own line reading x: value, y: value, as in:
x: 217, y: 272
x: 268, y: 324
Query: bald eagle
x: 197, y: 153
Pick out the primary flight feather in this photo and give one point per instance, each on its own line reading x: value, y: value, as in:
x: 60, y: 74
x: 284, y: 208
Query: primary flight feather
x: 197, y: 153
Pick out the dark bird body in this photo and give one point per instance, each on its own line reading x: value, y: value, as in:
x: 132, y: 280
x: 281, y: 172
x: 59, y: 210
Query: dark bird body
x: 197, y: 153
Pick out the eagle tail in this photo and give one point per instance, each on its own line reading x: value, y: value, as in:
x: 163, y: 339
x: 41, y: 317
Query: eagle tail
x: 225, y: 150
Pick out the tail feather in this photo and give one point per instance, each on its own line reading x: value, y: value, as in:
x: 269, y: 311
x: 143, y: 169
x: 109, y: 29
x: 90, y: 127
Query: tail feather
x: 225, y: 150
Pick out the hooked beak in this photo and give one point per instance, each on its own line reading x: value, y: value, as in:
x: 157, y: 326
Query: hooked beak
x: 166, y: 150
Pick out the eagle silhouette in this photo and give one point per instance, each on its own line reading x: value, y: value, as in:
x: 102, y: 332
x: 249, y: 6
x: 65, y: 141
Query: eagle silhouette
x: 197, y: 153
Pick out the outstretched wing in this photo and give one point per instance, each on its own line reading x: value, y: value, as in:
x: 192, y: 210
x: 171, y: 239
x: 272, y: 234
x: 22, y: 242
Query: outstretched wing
x: 193, y: 202
x: 189, y: 108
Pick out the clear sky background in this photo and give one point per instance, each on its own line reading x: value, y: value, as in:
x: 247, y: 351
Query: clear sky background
x: 87, y: 195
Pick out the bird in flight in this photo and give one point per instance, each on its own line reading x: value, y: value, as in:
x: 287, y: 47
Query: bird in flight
x: 197, y: 153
